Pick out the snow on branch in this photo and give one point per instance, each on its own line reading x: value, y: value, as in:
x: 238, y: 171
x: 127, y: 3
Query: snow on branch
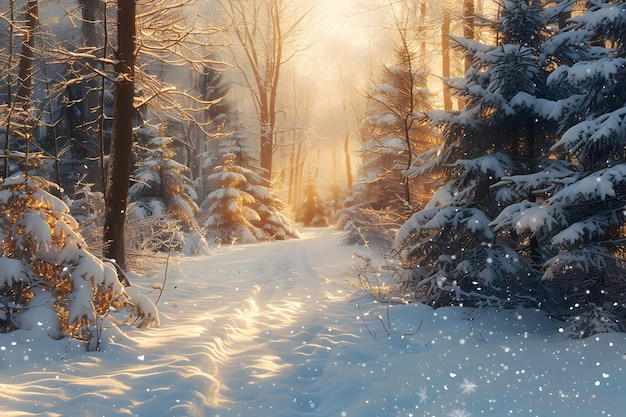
x: 496, y: 165
x: 598, y: 133
x: 585, y: 230
x: 46, y: 267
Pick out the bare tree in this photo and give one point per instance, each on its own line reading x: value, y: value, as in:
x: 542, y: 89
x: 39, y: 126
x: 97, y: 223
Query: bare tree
x: 264, y: 29
x: 347, y: 89
x: 175, y: 53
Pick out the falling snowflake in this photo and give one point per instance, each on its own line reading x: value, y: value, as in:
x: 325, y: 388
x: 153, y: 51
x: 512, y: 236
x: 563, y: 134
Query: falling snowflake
x: 422, y: 395
x: 459, y: 413
x: 468, y: 387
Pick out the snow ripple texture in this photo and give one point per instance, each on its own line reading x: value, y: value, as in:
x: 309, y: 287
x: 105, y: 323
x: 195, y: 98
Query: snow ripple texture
x: 274, y: 330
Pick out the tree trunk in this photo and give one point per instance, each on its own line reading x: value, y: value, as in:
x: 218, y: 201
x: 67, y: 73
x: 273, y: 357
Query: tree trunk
x: 297, y: 176
x: 27, y: 60
x: 468, y: 27
x: 445, y: 60
x: 409, y: 159
x: 9, y: 82
x: 267, y: 150
x: 85, y: 131
x: 346, y: 151
x: 105, y: 30
x: 91, y: 13
x: 292, y: 176
x: 122, y: 135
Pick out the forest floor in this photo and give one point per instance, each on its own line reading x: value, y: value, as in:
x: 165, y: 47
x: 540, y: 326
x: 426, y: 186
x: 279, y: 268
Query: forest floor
x: 275, y: 329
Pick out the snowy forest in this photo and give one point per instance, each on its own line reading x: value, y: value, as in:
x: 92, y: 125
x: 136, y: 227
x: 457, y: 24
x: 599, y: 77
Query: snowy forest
x: 482, y: 149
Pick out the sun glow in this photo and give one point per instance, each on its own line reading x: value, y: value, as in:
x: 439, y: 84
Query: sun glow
x: 341, y: 49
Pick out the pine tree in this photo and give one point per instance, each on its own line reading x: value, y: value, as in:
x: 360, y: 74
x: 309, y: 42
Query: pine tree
x: 382, y: 197
x: 270, y: 208
x: 221, y: 118
x: 48, y: 277
x: 162, y: 191
x: 391, y: 136
x: 312, y: 211
x: 230, y: 215
x: 240, y: 209
x: 581, y: 217
x: 452, y: 253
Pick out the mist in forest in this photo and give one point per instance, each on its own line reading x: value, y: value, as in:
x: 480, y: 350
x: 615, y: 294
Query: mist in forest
x: 342, y: 50
x: 321, y: 94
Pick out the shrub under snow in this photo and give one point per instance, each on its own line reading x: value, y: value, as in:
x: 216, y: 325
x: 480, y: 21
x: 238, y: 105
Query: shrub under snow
x: 48, y: 278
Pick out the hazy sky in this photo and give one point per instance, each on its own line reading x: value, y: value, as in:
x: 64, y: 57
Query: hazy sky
x: 345, y: 43
x: 346, y: 46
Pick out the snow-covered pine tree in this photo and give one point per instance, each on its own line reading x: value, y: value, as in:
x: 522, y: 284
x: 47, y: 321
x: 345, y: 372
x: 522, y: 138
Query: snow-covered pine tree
x: 230, y: 215
x: 162, y: 193
x: 270, y: 208
x: 451, y: 252
x: 221, y: 118
x: 382, y: 198
x: 240, y: 209
x: 581, y: 218
x: 391, y: 136
x: 232, y: 139
x: 312, y: 211
x: 48, y: 278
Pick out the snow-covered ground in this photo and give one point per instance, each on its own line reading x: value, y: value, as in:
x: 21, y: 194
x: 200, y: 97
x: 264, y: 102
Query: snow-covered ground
x: 273, y: 329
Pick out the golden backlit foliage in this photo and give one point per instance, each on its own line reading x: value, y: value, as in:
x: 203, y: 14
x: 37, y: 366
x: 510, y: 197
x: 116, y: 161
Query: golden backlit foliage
x: 47, y: 275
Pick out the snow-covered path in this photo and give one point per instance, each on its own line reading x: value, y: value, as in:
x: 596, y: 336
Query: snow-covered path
x: 274, y: 323
x: 274, y: 330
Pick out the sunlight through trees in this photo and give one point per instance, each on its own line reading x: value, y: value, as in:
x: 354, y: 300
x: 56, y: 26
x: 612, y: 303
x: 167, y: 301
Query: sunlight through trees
x: 480, y: 143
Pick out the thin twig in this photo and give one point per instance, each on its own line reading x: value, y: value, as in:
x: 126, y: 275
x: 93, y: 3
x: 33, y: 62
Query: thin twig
x: 364, y: 322
x: 416, y: 331
x: 167, y: 264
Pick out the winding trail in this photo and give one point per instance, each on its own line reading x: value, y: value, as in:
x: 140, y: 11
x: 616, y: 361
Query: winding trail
x: 282, y: 347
